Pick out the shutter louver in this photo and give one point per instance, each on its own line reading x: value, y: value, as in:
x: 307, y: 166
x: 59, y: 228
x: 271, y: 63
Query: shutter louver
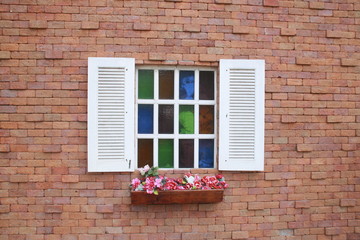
x: 241, y: 141
x: 242, y: 114
x: 111, y: 114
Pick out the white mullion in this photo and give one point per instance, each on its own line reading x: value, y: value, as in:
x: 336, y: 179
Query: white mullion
x: 196, y: 152
x: 176, y: 118
x: 156, y: 119
x: 155, y: 151
x: 196, y: 118
x: 215, y: 120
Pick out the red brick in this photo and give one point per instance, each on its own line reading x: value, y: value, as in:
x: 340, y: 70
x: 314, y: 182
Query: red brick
x: 89, y: 25
x: 288, y: 32
x: 53, y: 209
x: 70, y: 178
x: 52, y: 148
x: 5, y: 54
x: 54, y: 54
x: 157, y: 56
x: 317, y: 5
x: 339, y: 34
x: 241, y: 29
x: 304, y: 61
x: 223, y: 1
x: 340, y: 119
x: 4, y: 148
x: 348, y: 202
x: 347, y: 62
x: 318, y: 175
x: 304, y: 147
x: 271, y: 3
x: 38, y: 24
x: 331, y: 231
x: 141, y: 26
x: 192, y: 28
x: 302, y: 204
x: 105, y: 208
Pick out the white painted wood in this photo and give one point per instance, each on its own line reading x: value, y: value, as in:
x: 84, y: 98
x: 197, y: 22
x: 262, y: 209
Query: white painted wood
x: 111, y: 114
x: 176, y: 102
x: 241, y: 126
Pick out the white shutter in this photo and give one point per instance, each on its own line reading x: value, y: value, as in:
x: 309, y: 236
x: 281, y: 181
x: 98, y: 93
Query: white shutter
x: 241, y: 127
x: 111, y: 114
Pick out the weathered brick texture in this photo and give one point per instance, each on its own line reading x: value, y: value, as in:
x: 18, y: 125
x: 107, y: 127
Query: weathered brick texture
x: 310, y: 187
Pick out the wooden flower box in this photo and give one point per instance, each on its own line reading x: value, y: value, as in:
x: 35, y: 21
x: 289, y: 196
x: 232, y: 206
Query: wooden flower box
x: 178, y: 197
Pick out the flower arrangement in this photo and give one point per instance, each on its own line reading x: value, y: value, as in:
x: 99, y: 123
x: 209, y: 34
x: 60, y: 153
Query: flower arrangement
x: 152, y: 182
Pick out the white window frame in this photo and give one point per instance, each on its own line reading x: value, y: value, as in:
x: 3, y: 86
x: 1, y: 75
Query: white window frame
x: 176, y: 102
x: 103, y: 156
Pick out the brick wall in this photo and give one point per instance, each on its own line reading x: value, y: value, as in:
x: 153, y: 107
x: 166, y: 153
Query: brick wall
x: 310, y: 187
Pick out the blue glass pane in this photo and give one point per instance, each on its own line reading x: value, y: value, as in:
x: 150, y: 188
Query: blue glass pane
x: 186, y: 85
x: 206, y: 153
x: 145, y: 118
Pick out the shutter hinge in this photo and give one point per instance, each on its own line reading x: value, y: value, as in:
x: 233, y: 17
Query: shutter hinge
x: 129, y: 163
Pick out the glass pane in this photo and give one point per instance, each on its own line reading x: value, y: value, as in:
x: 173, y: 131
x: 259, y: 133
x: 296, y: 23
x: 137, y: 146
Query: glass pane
x: 145, y: 152
x: 186, y: 82
x: 166, y: 84
x: 166, y: 118
x: 206, y: 85
x: 166, y: 153
x: 146, y: 84
x: 186, y: 153
x: 206, y: 119
x: 186, y: 119
x: 145, y: 118
x: 206, y: 153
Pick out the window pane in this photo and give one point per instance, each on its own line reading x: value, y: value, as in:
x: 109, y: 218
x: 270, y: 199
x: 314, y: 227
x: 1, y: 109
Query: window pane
x: 146, y: 84
x: 166, y: 153
x: 166, y: 84
x: 145, y: 152
x: 186, y: 88
x: 145, y: 118
x: 206, y: 85
x: 166, y: 118
x: 186, y: 119
x: 206, y: 153
x: 186, y: 153
x: 206, y: 119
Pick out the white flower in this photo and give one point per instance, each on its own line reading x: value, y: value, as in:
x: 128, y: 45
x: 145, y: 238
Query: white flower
x: 190, y: 179
x: 144, y: 170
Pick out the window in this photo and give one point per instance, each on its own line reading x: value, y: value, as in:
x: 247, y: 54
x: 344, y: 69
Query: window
x: 175, y: 114
x: 115, y: 105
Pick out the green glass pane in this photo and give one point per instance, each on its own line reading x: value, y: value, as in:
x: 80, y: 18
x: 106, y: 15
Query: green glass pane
x: 166, y: 153
x: 146, y: 84
x: 186, y: 119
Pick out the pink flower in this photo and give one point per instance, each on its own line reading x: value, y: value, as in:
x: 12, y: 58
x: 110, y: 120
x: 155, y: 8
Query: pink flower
x: 219, y: 176
x: 135, y: 183
x: 197, y: 184
x: 149, y: 184
x: 180, y: 188
x: 170, y: 185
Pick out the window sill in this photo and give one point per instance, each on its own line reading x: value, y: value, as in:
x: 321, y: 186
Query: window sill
x: 178, y: 197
